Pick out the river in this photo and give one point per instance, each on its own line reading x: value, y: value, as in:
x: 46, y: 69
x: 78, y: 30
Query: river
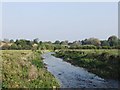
x: 70, y: 76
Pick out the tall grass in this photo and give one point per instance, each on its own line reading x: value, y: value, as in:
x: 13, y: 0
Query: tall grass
x: 25, y: 69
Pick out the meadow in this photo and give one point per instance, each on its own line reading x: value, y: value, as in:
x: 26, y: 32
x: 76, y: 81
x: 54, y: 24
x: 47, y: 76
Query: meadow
x: 102, y: 62
x: 25, y: 69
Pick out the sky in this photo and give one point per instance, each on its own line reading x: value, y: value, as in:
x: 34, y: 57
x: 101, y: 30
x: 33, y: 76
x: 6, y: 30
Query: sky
x: 50, y: 21
x: 60, y: 0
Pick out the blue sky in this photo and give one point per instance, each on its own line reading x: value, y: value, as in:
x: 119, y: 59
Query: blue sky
x: 59, y: 21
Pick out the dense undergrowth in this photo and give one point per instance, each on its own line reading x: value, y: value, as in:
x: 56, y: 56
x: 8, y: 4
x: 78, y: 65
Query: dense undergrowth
x: 104, y: 63
x: 25, y: 69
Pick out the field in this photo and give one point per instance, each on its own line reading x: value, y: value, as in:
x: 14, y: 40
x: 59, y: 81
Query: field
x: 104, y: 63
x: 25, y: 69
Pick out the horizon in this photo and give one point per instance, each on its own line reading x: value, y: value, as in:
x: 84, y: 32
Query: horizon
x: 60, y: 21
x: 55, y: 40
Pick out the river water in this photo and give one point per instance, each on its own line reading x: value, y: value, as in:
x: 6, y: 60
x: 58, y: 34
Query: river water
x: 70, y: 76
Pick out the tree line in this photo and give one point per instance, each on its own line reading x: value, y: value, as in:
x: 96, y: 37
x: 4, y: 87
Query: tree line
x: 113, y: 42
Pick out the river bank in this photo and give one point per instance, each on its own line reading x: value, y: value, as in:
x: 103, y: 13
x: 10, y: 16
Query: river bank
x: 103, y: 63
x: 70, y: 76
x: 25, y: 69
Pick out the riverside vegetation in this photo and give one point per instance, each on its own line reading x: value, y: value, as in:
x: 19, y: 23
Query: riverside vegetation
x: 23, y: 66
x: 104, y: 63
x: 25, y: 69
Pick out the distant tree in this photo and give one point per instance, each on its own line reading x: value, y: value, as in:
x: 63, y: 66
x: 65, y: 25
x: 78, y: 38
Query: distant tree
x: 64, y: 42
x: 20, y: 42
x: 11, y: 41
x: 84, y: 42
x: 40, y: 42
x: 27, y: 47
x: 76, y: 43
x: 48, y: 42
x: 118, y: 41
x: 49, y: 46
x: 113, y: 40
x: 91, y: 41
x: 57, y: 46
x: 57, y: 42
x: 14, y: 46
x: 19, y: 47
x: 104, y: 43
x: 28, y: 42
x: 36, y: 40
x: 23, y: 44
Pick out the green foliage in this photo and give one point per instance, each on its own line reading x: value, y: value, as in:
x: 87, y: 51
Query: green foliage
x: 104, y: 63
x: 106, y: 47
x: 23, y: 44
x: 36, y: 61
x: 57, y: 42
x: 14, y: 46
x: 24, y: 69
x: 104, y: 43
x: 113, y: 40
x: 92, y: 43
x: 64, y: 42
x: 36, y: 40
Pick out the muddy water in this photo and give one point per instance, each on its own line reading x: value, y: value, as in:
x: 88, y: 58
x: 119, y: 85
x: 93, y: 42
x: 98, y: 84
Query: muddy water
x: 71, y: 76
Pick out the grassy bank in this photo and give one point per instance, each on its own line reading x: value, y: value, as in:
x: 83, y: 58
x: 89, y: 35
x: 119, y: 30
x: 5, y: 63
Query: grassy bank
x: 104, y: 63
x: 25, y: 69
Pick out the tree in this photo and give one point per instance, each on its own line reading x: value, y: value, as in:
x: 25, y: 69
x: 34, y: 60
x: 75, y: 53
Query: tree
x: 91, y: 41
x: 36, y: 40
x: 14, y: 46
x: 104, y: 43
x: 40, y: 42
x: 23, y: 44
x: 49, y: 47
x: 11, y: 41
x: 64, y: 42
x: 113, y: 40
x: 76, y: 43
x: 57, y: 42
x: 118, y: 41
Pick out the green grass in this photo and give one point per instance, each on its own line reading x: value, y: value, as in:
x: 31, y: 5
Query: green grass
x: 104, y: 63
x: 110, y: 51
x: 25, y: 69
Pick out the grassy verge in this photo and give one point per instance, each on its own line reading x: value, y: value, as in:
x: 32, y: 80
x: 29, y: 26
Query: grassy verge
x: 25, y: 69
x: 104, y: 63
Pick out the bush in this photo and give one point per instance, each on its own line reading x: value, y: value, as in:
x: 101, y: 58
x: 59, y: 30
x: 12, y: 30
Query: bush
x: 89, y: 47
x: 106, y: 47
